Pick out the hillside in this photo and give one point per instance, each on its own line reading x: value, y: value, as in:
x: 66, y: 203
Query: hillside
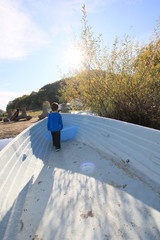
x: 34, y: 101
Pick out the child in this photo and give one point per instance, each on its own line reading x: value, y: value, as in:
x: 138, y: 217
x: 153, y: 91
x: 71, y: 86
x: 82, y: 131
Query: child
x: 55, y: 125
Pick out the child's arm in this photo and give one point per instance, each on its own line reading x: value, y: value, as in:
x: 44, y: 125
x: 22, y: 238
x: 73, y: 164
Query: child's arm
x: 48, y: 125
x: 61, y: 122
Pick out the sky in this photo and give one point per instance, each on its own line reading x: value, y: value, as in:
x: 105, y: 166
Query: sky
x: 36, y: 37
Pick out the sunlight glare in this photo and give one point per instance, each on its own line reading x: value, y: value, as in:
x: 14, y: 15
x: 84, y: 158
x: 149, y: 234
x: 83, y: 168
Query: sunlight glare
x: 73, y: 57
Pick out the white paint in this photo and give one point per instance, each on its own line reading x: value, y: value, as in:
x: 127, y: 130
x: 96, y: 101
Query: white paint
x: 4, y: 142
x: 125, y: 141
x: 88, y: 190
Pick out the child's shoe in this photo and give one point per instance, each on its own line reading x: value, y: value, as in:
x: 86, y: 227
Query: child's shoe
x: 57, y: 149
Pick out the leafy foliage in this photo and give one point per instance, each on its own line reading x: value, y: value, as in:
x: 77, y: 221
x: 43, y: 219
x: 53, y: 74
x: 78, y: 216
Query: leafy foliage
x: 123, y: 83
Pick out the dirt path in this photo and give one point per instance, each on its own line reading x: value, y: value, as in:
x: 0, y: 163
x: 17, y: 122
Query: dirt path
x: 12, y: 129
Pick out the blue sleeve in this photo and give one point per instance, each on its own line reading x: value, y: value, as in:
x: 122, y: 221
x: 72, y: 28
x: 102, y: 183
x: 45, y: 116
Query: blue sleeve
x: 61, y: 122
x: 48, y: 125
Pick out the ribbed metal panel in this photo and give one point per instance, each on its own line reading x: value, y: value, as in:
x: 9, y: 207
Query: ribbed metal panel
x: 132, y: 148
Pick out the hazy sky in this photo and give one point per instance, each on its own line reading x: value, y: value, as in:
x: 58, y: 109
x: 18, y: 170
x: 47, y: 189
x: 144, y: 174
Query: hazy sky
x: 36, y: 36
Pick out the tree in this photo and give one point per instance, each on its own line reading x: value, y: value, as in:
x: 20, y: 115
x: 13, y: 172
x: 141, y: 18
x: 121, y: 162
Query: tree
x: 122, y: 83
x: 46, y: 104
x: 84, y: 85
x: 34, y: 101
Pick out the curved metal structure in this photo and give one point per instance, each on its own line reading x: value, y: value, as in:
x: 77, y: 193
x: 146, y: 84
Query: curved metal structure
x: 103, y: 184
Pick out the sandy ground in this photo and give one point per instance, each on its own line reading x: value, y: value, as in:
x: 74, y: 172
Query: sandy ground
x: 12, y: 129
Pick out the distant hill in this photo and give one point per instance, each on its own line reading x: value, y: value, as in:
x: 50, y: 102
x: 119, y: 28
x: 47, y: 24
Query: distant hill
x: 34, y: 101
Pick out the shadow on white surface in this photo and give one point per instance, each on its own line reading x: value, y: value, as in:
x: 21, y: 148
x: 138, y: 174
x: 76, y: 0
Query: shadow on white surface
x: 4, y: 142
x: 80, y: 192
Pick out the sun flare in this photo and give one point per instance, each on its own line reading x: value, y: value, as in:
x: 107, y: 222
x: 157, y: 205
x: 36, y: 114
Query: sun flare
x: 73, y: 57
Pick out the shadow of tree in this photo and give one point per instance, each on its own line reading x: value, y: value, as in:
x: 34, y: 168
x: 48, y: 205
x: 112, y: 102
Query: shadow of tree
x: 77, y: 194
x: 103, y: 203
x: 11, y: 221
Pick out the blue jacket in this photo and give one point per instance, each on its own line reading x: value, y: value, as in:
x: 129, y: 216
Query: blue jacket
x: 55, y: 122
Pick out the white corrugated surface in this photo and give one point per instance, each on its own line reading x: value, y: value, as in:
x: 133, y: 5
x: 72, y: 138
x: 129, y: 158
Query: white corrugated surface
x: 139, y: 145
x: 102, y: 185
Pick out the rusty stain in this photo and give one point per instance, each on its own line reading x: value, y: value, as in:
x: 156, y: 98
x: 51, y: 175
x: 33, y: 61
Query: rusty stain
x: 88, y: 214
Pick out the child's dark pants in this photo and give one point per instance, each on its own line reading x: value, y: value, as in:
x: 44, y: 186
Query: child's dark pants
x: 56, y: 139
